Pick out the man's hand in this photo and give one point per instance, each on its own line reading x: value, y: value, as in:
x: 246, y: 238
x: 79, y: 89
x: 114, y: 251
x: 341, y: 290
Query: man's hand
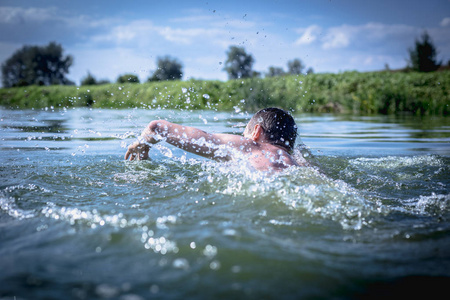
x: 137, y: 151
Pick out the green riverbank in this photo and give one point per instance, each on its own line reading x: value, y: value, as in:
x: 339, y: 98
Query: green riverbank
x: 349, y: 92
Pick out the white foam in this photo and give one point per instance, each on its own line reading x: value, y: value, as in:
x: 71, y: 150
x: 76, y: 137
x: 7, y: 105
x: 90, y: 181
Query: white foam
x: 431, y: 204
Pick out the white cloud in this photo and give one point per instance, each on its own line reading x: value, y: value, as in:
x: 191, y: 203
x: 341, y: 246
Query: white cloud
x: 364, y: 47
x: 337, y: 37
x: 365, y: 35
x: 309, y: 35
x: 145, y: 33
x: 383, y: 31
x: 20, y: 16
x: 125, y: 33
x: 188, y: 36
x: 192, y: 19
x: 15, y: 15
x: 445, y: 22
x: 235, y: 24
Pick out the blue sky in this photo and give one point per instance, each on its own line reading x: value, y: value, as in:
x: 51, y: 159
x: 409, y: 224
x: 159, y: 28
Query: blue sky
x: 110, y: 38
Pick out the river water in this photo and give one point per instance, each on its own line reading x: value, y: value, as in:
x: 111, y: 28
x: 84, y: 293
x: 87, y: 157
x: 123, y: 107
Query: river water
x: 370, y: 217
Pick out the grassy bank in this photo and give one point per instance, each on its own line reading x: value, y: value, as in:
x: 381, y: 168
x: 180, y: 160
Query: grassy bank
x: 349, y: 92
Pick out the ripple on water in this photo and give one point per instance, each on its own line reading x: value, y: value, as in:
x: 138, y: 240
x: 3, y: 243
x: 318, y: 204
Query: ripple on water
x: 399, y: 180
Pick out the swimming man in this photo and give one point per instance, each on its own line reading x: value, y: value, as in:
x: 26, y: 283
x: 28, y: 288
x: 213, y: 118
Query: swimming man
x: 268, y: 140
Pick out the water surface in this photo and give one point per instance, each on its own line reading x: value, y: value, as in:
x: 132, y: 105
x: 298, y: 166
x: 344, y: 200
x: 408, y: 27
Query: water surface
x: 371, y: 215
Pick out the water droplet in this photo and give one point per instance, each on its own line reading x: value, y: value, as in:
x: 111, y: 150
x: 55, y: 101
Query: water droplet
x: 214, y: 265
x: 210, y: 250
x: 106, y: 291
x: 181, y: 263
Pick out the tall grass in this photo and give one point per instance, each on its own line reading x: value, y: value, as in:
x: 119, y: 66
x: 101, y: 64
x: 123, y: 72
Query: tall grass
x: 349, y: 92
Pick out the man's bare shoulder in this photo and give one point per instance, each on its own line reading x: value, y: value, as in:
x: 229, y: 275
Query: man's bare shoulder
x: 268, y: 157
x: 231, y: 139
x: 261, y: 155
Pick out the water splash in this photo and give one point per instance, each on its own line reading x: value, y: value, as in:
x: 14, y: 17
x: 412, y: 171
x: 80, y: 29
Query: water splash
x: 302, y: 189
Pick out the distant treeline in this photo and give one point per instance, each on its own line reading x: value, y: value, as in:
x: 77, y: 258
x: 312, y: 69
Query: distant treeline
x: 349, y: 92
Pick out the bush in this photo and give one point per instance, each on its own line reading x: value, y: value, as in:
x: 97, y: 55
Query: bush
x: 349, y: 92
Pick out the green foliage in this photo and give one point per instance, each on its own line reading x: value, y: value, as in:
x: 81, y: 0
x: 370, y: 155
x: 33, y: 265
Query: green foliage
x: 422, y: 57
x: 275, y: 71
x: 239, y: 64
x: 128, y: 78
x: 37, y: 65
x: 349, y: 92
x: 295, y: 67
x: 89, y: 80
x: 168, y: 69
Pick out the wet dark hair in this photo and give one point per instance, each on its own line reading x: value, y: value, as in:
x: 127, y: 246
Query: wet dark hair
x: 278, y: 126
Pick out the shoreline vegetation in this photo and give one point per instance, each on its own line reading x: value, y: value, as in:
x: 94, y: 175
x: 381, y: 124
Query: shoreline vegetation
x: 366, y: 93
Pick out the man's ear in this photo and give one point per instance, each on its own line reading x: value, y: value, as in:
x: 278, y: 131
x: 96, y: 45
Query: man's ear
x: 257, y: 132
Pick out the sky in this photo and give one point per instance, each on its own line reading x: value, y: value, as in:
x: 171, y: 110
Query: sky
x: 111, y: 38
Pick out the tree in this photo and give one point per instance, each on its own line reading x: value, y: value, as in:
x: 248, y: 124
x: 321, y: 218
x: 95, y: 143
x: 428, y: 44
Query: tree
x: 275, y: 71
x: 44, y: 65
x: 89, y: 80
x: 422, y: 57
x: 239, y: 64
x: 295, y: 67
x: 256, y: 74
x: 168, y: 69
x: 128, y: 78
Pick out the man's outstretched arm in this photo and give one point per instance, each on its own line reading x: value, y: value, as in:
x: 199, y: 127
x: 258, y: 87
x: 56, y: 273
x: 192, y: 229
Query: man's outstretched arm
x: 187, y: 138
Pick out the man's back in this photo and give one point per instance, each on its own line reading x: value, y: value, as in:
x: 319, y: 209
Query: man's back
x: 271, y: 158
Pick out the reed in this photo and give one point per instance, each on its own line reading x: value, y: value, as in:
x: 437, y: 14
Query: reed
x: 348, y: 92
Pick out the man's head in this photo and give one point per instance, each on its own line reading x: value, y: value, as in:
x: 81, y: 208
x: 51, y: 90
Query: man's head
x: 276, y: 125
